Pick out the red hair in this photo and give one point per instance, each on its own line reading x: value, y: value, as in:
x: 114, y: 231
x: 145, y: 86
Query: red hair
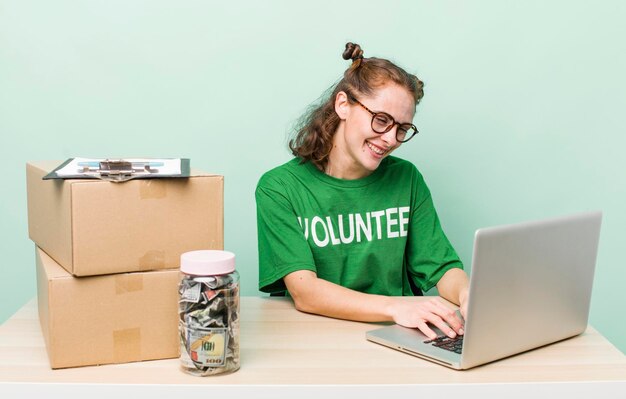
x: 313, y: 140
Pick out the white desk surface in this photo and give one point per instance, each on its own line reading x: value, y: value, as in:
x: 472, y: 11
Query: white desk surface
x: 286, y: 351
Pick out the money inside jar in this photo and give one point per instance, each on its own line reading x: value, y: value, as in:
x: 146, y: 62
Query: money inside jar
x: 209, y: 313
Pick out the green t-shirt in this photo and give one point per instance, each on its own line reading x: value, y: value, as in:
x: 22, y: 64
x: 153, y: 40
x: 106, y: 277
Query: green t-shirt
x: 363, y: 234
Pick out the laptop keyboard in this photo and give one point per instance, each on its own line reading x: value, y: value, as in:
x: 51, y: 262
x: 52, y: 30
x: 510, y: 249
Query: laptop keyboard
x: 447, y: 343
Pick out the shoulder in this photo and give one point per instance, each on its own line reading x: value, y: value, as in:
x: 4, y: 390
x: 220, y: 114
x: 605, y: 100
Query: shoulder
x: 280, y: 172
x: 395, y: 162
x: 290, y: 174
x: 401, y: 168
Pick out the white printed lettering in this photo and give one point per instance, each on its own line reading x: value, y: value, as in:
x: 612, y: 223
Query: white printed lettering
x: 306, y: 227
x: 391, y: 222
x: 350, y: 238
x: 323, y: 229
x: 404, y: 221
x: 379, y: 229
x: 360, y: 226
x: 320, y: 243
x: 333, y: 239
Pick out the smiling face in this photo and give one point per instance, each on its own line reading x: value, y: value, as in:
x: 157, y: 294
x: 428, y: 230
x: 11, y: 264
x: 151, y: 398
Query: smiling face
x: 357, y: 149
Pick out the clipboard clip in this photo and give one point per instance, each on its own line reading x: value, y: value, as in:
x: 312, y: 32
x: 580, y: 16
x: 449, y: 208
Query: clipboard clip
x: 118, y: 170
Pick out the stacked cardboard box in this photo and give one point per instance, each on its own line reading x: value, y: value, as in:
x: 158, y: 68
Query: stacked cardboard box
x: 107, y: 259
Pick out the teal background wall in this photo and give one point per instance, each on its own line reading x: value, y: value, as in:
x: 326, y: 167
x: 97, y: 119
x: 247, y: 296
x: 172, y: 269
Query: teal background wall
x: 523, y: 116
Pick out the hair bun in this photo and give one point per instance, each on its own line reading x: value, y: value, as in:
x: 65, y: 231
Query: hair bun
x: 353, y: 51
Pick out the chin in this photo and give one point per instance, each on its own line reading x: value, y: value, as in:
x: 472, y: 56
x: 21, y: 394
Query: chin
x: 372, y: 164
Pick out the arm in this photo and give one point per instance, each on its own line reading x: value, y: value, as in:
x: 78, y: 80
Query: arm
x: 431, y: 258
x: 454, y: 286
x: 314, y: 295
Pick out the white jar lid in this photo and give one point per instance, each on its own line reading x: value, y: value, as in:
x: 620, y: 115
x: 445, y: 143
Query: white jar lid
x: 207, y: 262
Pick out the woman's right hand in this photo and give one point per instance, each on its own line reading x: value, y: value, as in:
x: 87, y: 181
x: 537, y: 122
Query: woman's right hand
x: 421, y: 315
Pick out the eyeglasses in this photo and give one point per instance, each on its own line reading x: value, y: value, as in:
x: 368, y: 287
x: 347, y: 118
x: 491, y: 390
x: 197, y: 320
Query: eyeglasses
x: 382, y: 122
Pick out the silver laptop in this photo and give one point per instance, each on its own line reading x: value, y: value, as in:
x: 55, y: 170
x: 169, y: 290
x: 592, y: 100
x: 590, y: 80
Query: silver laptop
x: 530, y: 286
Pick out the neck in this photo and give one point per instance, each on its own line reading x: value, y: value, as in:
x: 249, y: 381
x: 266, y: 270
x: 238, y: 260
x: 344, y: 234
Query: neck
x: 339, y: 163
x: 345, y: 172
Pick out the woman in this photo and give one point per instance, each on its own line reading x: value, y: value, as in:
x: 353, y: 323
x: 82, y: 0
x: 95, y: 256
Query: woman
x: 346, y: 228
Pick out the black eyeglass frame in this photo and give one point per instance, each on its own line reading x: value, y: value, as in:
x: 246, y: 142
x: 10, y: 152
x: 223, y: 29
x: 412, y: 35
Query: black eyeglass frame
x: 388, y: 128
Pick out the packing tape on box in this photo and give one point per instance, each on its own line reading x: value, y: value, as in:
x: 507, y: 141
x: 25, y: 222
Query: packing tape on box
x: 153, y: 189
x: 128, y: 282
x: 152, y: 260
x: 126, y: 345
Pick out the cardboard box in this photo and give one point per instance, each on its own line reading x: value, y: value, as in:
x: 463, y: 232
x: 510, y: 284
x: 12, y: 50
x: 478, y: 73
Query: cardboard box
x: 106, y: 319
x: 93, y: 227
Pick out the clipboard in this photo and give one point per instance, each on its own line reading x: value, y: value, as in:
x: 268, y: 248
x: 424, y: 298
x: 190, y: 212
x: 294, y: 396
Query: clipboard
x: 121, y: 170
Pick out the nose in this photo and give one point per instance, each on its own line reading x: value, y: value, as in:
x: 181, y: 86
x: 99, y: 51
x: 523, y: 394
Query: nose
x: 389, y: 137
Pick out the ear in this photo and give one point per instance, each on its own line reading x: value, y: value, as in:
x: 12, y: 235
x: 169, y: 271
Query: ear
x: 342, y: 106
